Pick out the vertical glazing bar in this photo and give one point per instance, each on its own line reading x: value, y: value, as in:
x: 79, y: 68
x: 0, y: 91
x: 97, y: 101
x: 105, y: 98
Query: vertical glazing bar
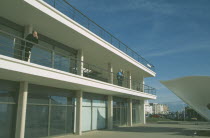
x: 49, y: 118
x: 14, y: 49
x: 53, y: 57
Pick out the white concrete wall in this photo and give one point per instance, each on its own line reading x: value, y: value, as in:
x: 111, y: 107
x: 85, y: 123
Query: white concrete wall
x: 57, y: 15
x: 20, y: 70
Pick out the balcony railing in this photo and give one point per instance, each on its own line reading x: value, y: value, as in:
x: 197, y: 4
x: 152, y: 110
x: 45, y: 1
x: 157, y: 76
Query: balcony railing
x: 67, y: 9
x: 15, y: 47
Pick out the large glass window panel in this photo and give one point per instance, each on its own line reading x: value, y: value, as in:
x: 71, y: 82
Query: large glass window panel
x: 8, y: 100
x: 98, y: 118
x: 62, y: 62
x: 6, y: 45
x: 70, y: 119
x: 101, y: 103
x: 6, y: 96
x: 38, y: 99
x: 37, y: 121
x: 86, y: 102
x: 59, y: 100
x: 7, y: 119
x: 41, y: 56
x: 58, y: 120
x: 86, y: 118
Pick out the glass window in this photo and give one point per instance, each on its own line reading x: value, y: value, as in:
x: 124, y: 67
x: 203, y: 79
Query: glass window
x: 6, y: 45
x: 6, y: 96
x: 120, y: 108
x: 94, y: 111
x: 61, y: 120
x: 62, y: 62
x: 8, y: 100
x: 41, y: 56
x: 59, y: 100
x: 36, y: 121
x: 55, y: 106
x: 38, y: 99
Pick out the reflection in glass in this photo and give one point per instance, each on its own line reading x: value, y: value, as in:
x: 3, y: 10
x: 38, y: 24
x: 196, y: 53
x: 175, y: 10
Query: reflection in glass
x: 36, y: 121
x: 41, y: 56
x: 62, y: 62
x: 7, y: 112
x: 120, y: 110
x: 50, y: 112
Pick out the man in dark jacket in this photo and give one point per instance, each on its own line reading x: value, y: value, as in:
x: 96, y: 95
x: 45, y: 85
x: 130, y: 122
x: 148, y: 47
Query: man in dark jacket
x: 32, y: 38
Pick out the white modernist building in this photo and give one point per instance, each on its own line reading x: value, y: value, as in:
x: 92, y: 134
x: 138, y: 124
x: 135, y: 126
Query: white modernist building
x: 69, y: 83
x: 193, y: 90
x: 148, y: 108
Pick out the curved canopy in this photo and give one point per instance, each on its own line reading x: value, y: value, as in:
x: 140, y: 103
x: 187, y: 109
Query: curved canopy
x: 194, y: 90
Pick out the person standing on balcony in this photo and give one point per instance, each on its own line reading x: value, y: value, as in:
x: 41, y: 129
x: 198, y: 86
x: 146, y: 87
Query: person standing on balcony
x: 120, y: 77
x: 33, y: 37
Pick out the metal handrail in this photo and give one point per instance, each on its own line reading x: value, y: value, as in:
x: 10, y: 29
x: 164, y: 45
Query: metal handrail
x: 112, y: 37
x: 105, y: 74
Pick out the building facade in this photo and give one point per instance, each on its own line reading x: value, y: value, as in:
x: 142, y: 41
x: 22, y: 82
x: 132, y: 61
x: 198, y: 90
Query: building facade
x: 159, y: 108
x: 69, y: 84
x: 148, y: 108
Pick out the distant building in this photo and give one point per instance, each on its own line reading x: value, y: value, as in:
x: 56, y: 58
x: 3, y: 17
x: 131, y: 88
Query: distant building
x: 159, y: 108
x: 148, y: 108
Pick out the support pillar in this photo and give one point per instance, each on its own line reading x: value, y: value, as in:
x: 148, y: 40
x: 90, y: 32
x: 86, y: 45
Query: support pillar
x: 130, y: 108
x: 21, y: 110
x: 110, y: 75
x: 129, y: 80
x: 80, y: 62
x: 142, y: 112
x: 79, y: 112
x: 110, y: 112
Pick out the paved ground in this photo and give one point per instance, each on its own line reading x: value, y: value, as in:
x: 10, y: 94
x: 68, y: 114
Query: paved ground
x: 159, y: 130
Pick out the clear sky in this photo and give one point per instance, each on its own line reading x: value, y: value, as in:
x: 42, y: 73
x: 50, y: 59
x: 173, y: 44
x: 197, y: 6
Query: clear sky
x: 174, y: 35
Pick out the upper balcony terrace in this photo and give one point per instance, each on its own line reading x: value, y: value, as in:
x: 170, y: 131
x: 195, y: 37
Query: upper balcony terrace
x: 13, y: 46
x: 66, y: 8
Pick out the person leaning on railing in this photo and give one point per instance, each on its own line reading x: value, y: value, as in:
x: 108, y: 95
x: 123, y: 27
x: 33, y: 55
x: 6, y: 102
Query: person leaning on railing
x: 120, y: 77
x: 33, y: 37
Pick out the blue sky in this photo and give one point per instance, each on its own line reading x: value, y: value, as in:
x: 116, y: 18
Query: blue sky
x: 174, y: 35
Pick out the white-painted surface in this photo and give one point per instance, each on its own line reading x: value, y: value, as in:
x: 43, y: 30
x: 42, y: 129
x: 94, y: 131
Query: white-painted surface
x: 21, y: 110
x: 79, y: 110
x: 17, y: 70
x: 52, y: 23
x: 110, y: 112
x: 194, y: 90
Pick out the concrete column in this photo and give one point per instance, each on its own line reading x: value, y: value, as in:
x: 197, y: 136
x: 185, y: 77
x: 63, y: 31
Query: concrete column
x: 110, y: 112
x: 80, y: 62
x: 130, y: 107
x: 21, y: 110
x: 129, y: 80
x: 142, y: 112
x: 28, y: 30
x: 110, y: 77
x: 79, y: 112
